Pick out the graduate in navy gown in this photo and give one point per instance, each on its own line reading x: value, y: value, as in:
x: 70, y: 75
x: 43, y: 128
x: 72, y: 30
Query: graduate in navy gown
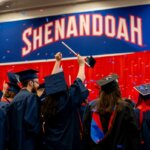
x: 61, y: 108
x: 24, y: 114
x: 11, y: 90
x: 109, y: 122
x: 3, y: 126
x: 143, y: 115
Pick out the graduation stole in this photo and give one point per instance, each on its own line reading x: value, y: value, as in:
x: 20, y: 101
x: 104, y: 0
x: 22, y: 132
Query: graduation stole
x: 81, y: 125
x: 5, y: 100
x: 97, y: 133
x: 143, y: 107
x: 80, y: 120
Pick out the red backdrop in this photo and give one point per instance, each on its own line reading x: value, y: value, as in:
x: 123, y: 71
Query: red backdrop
x: 133, y: 69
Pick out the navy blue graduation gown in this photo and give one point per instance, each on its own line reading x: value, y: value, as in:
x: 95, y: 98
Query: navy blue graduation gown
x: 24, y: 118
x: 123, y: 134
x: 82, y: 109
x: 144, y: 128
x: 3, y: 125
x: 63, y: 131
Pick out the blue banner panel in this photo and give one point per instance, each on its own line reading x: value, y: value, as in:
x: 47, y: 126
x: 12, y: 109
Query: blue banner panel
x: 100, y: 32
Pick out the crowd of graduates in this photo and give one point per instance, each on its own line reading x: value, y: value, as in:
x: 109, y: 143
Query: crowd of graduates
x: 53, y: 116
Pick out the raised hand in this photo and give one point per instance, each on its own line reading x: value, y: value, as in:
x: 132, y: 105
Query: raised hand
x: 58, y: 56
x: 81, y: 61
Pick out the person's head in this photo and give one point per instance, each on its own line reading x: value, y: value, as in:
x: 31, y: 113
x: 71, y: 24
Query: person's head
x: 31, y: 84
x: 29, y: 79
x: 110, y: 93
x: 50, y: 106
x: 12, y: 87
x: 9, y: 95
x: 12, y: 90
x: 56, y: 89
x: 144, y: 93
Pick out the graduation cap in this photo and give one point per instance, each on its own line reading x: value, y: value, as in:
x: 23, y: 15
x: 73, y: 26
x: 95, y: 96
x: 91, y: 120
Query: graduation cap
x: 13, y: 87
x: 55, y: 83
x: 12, y: 77
x: 144, y: 91
x: 108, y: 83
x: 89, y: 61
x: 27, y: 75
x: 12, y: 84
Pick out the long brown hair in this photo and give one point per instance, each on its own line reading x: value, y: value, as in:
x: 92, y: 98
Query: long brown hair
x: 50, y: 107
x: 107, y: 101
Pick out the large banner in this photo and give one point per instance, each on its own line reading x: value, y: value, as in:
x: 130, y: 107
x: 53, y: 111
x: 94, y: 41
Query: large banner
x: 100, y: 32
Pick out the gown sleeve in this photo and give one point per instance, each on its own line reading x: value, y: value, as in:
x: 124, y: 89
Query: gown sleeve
x: 4, y: 136
x: 32, y: 115
x: 86, y: 128
x: 78, y: 92
x: 132, y: 126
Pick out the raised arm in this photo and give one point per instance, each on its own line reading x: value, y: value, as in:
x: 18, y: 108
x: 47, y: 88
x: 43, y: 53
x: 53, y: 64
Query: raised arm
x: 81, y: 72
x: 56, y: 68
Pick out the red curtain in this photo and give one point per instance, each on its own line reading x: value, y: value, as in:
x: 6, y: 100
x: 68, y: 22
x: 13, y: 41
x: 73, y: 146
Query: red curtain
x: 133, y: 69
